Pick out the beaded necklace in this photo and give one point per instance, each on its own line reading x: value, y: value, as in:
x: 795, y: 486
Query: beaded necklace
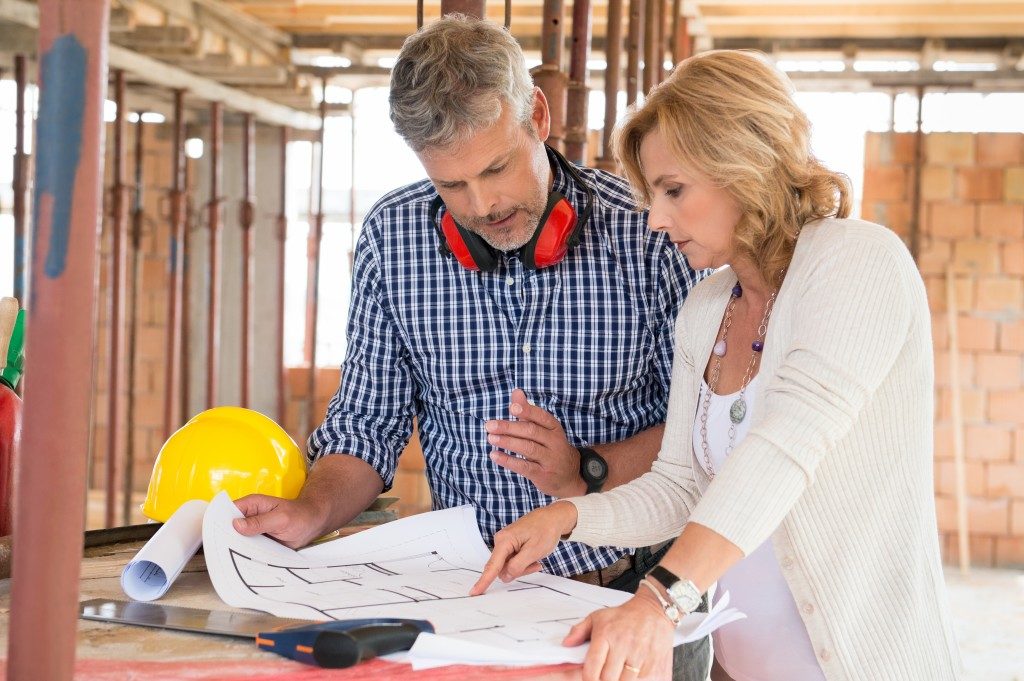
x: 738, y: 410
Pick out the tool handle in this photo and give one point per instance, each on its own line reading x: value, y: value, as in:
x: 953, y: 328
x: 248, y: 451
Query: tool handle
x: 337, y: 649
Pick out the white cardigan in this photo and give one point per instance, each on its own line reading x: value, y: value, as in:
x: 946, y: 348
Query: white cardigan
x: 837, y: 466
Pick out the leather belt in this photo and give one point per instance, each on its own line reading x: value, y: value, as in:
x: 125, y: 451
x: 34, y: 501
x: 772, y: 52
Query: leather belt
x: 602, y: 576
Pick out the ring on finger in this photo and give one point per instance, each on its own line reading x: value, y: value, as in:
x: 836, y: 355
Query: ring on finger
x: 631, y: 668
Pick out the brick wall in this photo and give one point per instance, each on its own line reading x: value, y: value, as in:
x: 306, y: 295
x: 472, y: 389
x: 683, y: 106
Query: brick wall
x: 972, y: 218
x: 150, y: 322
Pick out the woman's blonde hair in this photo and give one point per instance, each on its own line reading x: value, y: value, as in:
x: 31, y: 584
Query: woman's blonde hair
x: 730, y: 116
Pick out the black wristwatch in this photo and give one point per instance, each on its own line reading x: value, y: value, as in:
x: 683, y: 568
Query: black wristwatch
x: 593, y: 469
x: 684, y: 593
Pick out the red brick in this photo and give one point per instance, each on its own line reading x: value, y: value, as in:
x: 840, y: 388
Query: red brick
x: 982, y: 550
x: 976, y: 333
x: 1000, y: 294
x: 1003, y: 221
x: 151, y: 342
x: 1013, y: 258
x: 149, y: 410
x: 885, y: 183
x: 1013, y: 184
x: 966, y: 369
x: 1000, y: 149
x: 1006, y: 480
x: 1011, y: 336
x: 936, y: 183
x: 1017, y: 517
x: 987, y: 443
x: 974, y: 478
x: 949, y: 148
x: 979, y: 184
x: 973, y: 404
x: 952, y: 220
x: 298, y: 381
x: 896, y: 216
x: 988, y: 516
x: 935, y: 256
x: 945, y: 512
x: 981, y: 257
x: 327, y: 381
x: 997, y: 370
x: 1006, y: 406
x: 936, y: 288
x: 1009, y: 552
x: 940, y: 332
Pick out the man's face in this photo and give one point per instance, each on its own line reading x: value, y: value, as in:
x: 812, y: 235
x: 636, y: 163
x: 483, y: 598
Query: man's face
x: 496, y: 181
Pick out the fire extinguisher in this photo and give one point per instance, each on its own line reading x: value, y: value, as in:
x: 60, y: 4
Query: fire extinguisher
x: 12, y: 359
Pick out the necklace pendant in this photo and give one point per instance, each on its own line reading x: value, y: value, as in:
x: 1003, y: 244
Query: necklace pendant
x: 738, y: 411
x: 719, y: 349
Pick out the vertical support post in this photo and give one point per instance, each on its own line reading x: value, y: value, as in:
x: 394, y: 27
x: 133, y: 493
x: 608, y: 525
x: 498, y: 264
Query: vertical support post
x: 634, y: 47
x: 20, y: 183
x: 576, y: 101
x: 175, y: 269
x: 116, y: 314
x: 682, y: 43
x: 659, y: 63
x: 246, y: 218
x: 915, y: 199
x: 138, y: 218
x: 186, y: 289
x: 213, y: 306
x: 650, y: 45
x: 316, y: 235
x: 613, y: 59
x: 549, y: 76
x: 282, y: 239
x: 51, y: 463
x: 352, y: 213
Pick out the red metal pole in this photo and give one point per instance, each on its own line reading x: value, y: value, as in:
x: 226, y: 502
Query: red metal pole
x: 282, y: 237
x: 186, y: 289
x: 176, y: 267
x: 634, y: 48
x: 576, y: 109
x: 613, y: 59
x: 549, y: 76
x: 20, y: 183
x: 138, y: 218
x: 118, y: 276
x: 213, y: 307
x: 51, y: 464
x: 682, y: 43
x: 650, y: 45
x: 247, y: 217
x: 313, y: 272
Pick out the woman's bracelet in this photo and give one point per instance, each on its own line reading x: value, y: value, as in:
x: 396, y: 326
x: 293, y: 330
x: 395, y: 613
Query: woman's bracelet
x: 670, y: 609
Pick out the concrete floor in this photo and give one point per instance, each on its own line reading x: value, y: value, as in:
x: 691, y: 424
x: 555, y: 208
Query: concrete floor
x: 988, y: 611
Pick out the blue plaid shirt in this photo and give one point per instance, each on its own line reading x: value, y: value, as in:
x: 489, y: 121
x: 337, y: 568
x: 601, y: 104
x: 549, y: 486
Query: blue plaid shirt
x: 589, y: 340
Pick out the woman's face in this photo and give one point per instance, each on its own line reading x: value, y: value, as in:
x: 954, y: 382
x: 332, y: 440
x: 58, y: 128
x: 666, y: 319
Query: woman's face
x: 698, y: 217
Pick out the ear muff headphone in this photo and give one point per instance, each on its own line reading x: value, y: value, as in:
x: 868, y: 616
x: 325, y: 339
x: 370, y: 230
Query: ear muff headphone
x: 557, y: 231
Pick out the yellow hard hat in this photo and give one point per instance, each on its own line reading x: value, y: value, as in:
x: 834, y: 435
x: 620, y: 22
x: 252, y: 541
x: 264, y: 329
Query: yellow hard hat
x: 237, y: 450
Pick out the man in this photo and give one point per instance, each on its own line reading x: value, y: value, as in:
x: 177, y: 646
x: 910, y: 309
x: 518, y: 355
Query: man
x: 481, y: 294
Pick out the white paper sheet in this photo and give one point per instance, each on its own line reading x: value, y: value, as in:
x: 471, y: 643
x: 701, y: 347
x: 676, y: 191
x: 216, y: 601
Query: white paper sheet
x: 155, y: 567
x: 420, y: 567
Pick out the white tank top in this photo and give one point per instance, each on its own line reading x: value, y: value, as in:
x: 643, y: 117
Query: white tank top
x: 771, y: 644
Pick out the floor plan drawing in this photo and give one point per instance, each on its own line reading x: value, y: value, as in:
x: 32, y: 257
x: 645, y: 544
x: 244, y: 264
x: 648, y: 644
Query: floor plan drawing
x: 421, y: 567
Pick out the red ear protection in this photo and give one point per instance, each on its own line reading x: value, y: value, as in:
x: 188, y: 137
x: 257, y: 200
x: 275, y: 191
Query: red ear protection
x: 557, y: 231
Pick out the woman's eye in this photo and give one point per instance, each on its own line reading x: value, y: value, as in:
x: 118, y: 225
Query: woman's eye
x: 673, y: 192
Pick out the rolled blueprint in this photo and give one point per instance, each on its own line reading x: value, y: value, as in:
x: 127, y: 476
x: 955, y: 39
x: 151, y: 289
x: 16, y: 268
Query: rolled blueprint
x: 155, y: 567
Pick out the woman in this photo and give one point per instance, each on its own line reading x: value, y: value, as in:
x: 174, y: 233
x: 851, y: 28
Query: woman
x: 796, y: 465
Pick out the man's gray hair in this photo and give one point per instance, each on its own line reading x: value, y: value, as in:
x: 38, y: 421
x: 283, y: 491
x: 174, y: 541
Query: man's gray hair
x: 451, y: 79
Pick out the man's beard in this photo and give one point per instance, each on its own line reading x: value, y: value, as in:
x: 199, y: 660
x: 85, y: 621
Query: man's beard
x: 504, y: 239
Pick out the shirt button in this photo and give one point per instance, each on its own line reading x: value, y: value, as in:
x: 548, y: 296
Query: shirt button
x: 787, y: 563
x: 527, y: 348
x: 510, y: 281
x: 825, y: 655
x: 808, y: 609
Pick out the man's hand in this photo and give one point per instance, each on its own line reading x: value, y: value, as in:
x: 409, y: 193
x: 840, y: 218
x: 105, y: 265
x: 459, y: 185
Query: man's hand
x: 294, y: 523
x: 519, y: 547
x: 548, y: 460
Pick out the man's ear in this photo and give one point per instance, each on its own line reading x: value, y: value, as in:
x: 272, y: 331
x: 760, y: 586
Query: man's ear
x: 540, y: 118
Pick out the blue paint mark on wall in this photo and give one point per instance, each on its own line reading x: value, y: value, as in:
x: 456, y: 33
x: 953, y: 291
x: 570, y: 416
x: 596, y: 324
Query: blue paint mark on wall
x: 59, y: 143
